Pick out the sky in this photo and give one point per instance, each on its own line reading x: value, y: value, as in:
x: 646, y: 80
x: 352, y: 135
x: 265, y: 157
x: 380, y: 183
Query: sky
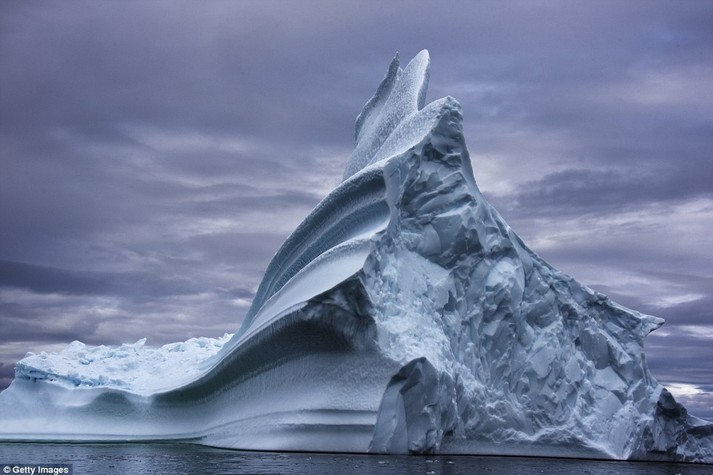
x: 154, y: 155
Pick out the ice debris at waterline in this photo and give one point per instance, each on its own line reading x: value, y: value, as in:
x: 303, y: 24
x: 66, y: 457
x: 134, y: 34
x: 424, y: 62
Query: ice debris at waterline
x: 402, y: 316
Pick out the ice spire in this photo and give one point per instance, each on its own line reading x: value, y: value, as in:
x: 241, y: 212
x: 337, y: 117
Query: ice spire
x: 402, y: 93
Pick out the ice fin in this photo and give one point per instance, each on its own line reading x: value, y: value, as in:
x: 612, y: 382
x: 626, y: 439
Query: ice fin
x: 371, y: 109
x: 383, y: 114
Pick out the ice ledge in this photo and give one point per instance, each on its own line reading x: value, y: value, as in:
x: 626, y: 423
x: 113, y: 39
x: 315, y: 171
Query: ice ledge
x: 135, y: 368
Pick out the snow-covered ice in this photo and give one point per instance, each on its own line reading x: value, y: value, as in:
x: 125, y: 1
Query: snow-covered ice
x: 403, y: 315
x: 134, y: 367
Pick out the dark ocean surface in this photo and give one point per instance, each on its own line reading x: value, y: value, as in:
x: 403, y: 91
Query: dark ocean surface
x: 194, y: 459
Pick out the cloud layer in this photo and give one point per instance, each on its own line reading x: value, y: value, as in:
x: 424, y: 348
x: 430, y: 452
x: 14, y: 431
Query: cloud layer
x: 155, y: 155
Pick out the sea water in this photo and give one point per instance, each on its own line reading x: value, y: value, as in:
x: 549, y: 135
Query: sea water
x: 177, y: 459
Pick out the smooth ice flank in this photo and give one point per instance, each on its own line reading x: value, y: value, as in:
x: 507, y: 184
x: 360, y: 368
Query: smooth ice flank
x: 403, y: 315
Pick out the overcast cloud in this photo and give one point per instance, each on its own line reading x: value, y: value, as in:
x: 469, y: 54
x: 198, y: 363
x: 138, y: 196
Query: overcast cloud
x: 154, y: 155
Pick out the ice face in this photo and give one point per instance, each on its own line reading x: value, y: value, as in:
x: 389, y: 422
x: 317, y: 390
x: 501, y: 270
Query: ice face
x: 403, y: 315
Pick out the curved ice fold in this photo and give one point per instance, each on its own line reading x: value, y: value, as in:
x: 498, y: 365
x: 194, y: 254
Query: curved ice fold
x: 355, y: 208
x: 403, y: 315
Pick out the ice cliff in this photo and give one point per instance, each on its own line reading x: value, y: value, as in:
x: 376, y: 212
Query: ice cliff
x: 402, y: 316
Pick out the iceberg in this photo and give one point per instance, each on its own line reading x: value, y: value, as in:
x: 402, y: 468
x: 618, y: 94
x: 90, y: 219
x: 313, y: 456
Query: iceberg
x: 403, y: 315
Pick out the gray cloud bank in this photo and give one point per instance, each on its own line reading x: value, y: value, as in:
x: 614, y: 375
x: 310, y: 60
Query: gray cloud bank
x: 155, y: 154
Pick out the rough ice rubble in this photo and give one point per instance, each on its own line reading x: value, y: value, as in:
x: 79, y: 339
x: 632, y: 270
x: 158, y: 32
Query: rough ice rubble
x: 403, y: 315
x: 131, y: 367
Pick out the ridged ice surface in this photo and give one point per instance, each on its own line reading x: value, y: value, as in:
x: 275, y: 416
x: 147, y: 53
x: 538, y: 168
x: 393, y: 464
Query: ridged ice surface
x: 402, y: 316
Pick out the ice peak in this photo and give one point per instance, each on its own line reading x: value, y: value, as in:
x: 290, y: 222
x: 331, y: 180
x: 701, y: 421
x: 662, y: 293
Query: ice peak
x: 400, y: 95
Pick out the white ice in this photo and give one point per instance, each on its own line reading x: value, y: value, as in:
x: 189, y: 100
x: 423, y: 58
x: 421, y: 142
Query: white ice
x: 136, y: 368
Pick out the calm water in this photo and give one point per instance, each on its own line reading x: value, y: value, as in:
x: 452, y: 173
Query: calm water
x: 192, y: 459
